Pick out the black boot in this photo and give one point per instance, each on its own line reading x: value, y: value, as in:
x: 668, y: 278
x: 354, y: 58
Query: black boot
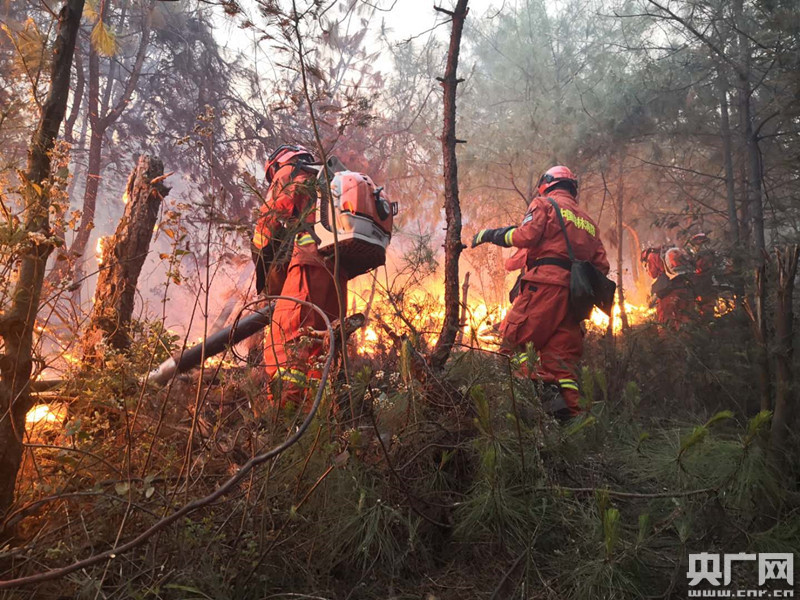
x: 553, y: 403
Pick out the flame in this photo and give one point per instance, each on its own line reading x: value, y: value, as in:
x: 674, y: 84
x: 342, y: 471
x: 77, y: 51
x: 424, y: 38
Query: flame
x: 71, y: 358
x: 635, y: 314
x: 45, y: 415
x: 724, y: 306
x: 98, y: 249
x: 424, y: 312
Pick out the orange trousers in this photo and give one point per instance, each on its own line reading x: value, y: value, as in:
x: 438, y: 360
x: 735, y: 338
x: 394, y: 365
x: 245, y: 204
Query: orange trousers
x: 676, y: 308
x: 294, y: 360
x: 540, y: 315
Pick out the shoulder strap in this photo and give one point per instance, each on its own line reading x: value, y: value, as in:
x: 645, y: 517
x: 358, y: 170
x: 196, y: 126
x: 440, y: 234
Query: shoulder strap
x: 563, y: 227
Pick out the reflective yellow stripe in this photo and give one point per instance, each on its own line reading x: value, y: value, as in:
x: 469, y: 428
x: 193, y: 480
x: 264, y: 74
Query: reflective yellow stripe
x: 259, y: 239
x: 508, y: 236
x: 519, y: 359
x: 568, y: 384
x: 304, y: 239
x: 291, y: 376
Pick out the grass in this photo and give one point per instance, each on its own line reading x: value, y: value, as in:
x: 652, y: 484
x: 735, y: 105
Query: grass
x: 472, y: 494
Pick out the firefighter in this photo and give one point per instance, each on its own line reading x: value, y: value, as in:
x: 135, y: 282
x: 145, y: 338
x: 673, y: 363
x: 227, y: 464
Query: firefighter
x: 284, y: 236
x: 541, y: 313
x: 698, y: 248
x: 671, y: 291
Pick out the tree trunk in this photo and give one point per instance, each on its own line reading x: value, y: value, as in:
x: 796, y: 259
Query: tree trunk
x: 70, y: 260
x: 101, y: 116
x: 78, y: 247
x: 620, y: 232
x: 77, y: 99
x: 756, y: 312
x: 634, y: 251
x: 785, y: 401
x: 462, y: 321
x: 755, y: 209
x: 727, y: 150
x: 16, y: 325
x: 122, y: 259
x: 452, y: 207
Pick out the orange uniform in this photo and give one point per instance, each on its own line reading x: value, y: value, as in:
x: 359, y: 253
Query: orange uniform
x: 289, y: 356
x: 673, y: 297
x: 541, y: 312
x: 703, y: 282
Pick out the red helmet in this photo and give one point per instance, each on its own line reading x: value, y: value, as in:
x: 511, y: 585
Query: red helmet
x: 284, y: 155
x: 645, y: 255
x: 555, y: 175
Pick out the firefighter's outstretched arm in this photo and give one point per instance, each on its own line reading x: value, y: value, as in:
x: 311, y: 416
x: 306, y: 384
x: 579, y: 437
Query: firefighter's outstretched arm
x: 527, y: 235
x: 498, y: 237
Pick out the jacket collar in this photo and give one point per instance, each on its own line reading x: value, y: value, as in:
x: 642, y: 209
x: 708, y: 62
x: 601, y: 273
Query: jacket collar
x: 562, y: 196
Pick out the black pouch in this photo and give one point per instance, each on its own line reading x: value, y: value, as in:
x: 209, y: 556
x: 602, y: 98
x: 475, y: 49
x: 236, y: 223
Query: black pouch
x: 515, y: 289
x: 588, y: 287
x: 581, y: 290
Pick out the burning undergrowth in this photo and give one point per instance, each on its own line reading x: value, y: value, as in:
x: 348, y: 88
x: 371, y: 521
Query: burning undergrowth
x: 406, y: 480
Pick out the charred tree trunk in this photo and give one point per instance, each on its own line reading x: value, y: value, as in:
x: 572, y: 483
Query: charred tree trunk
x: 785, y: 397
x: 452, y: 207
x: 122, y: 258
x: 16, y: 325
x: 734, y: 234
x: 79, y: 244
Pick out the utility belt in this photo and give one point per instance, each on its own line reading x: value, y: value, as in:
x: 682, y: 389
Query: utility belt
x: 553, y: 261
x: 521, y: 285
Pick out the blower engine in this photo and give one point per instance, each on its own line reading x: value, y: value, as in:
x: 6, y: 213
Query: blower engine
x: 363, y: 219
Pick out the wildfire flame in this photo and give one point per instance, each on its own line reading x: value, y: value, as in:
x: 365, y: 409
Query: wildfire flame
x: 45, y: 416
x: 98, y: 249
x: 635, y: 314
x: 724, y: 306
x: 425, y: 313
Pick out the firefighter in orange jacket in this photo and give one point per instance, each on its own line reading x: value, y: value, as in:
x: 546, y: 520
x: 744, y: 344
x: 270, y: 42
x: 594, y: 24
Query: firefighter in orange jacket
x: 285, y: 229
x: 541, y: 311
x: 703, y: 259
x: 672, y: 288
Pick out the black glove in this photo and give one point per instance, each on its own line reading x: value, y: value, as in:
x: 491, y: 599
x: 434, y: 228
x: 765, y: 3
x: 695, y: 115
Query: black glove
x: 499, y: 237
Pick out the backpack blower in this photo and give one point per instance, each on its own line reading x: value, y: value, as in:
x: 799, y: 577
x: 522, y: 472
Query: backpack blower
x: 362, y: 217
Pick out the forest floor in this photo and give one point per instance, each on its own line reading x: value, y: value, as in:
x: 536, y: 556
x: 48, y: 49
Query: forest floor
x: 448, y: 487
